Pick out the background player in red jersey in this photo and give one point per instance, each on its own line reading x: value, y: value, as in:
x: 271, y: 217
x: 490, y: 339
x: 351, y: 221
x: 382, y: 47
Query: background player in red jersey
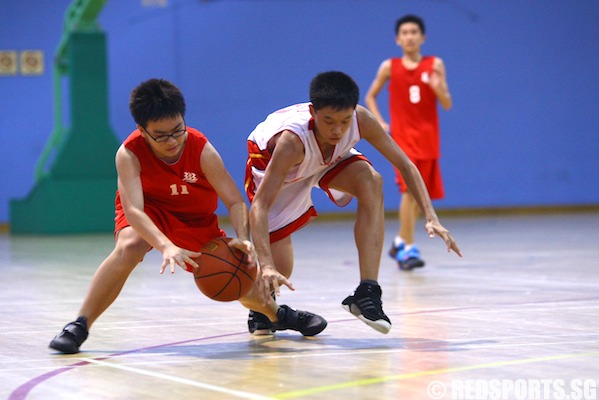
x: 169, y: 181
x: 416, y: 84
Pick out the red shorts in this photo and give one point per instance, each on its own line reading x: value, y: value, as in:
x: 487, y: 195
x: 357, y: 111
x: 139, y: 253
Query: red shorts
x: 189, y: 235
x: 431, y: 174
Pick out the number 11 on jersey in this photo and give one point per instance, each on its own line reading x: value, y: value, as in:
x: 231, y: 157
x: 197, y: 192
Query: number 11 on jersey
x: 175, y: 189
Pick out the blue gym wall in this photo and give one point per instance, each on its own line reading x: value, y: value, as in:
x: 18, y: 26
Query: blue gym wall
x: 523, y: 75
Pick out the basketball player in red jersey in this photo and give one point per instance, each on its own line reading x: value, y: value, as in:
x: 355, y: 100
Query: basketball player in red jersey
x: 416, y: 84
x: 169, y: 181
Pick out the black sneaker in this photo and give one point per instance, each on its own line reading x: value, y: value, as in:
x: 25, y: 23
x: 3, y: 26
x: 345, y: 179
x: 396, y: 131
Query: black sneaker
x: 72, y: 336
x: 367, y: 306
x: 306, y: 323
x: 259, y: 324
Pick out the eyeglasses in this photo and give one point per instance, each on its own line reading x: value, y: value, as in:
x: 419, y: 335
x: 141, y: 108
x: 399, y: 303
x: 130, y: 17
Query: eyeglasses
x: 164, y: 138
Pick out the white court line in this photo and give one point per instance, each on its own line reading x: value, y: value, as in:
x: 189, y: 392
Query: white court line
x: 328, y: 351
x: 243, y: 395
x: 332, y: 352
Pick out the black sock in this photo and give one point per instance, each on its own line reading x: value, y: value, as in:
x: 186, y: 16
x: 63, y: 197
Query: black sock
x: 82, y: 321
x: 369, y: 282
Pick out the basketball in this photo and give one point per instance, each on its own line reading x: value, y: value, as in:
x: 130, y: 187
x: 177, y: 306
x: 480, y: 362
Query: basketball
x: 223, y: 273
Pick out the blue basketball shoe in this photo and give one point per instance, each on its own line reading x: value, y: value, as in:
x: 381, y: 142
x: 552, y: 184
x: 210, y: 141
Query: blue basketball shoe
x: 395, y: 249
x: 409, y: 259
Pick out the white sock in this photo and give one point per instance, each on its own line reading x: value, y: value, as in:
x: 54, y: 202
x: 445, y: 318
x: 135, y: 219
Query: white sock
x: 398, y: 241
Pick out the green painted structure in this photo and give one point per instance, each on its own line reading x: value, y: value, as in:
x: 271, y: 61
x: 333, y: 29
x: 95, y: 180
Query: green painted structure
x: 75, y: 194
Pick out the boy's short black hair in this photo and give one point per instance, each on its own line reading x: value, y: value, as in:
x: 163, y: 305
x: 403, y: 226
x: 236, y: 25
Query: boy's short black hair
x: 410, y: 18
x: 334, y: 89
x: 156, y: 99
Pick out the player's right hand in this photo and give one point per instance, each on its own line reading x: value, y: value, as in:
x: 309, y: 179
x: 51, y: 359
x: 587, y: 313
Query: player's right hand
x: 269, y: 280
x: 247, y: 247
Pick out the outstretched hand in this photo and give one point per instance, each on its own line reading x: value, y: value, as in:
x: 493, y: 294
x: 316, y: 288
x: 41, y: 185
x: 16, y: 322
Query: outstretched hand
x: 173, y: 255
x: 269, y: 280
x: 435, y: 228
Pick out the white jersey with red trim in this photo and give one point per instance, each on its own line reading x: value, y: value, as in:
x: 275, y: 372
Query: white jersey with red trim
x: 297, y: 119
x: 295, y: 197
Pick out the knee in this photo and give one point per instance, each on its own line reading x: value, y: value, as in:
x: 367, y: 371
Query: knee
x: 377, y: 181
x: 132, y: 249
x: 371, y: 185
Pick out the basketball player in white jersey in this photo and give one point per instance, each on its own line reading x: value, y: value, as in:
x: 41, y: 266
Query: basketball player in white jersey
x: 308, y: 145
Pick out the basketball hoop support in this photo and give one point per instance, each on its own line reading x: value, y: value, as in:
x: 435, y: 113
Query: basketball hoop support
x: 75, y: 194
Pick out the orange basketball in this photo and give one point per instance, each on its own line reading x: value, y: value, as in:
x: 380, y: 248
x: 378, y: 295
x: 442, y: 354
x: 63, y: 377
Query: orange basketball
x: 223, y: 272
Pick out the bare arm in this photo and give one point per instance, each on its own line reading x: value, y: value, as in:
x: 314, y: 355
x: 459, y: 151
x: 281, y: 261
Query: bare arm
x: 382, y: 76
x: 438, y: 83
x: 371, y: 130
x: 223, y: 184
x: 289, y: 151
x: 132, y: 198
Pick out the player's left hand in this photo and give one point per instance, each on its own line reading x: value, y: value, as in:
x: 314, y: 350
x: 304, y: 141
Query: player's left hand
x: 173, y: 255
x: 436, y: 76
x: 435, y: 228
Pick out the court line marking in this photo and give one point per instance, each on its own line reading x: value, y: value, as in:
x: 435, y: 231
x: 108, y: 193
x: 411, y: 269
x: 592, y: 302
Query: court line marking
x: 329, y: 351
x: 22, y: 391
x: 382, y: 379
x: 189, y: 382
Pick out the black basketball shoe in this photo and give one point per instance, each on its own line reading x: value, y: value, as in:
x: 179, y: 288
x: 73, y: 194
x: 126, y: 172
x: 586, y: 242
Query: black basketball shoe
x: 306, y: 323
x: 72, y: 336
x: 259, y: 324
x: 367, y: 306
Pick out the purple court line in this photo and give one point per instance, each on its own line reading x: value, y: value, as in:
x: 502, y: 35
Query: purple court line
x: 22, y: 391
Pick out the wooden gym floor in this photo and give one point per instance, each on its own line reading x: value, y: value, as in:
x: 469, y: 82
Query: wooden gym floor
x: 523, y: 304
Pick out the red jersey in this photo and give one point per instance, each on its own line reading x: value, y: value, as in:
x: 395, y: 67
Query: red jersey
x: 177, y: 197
x: 413, y: 110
